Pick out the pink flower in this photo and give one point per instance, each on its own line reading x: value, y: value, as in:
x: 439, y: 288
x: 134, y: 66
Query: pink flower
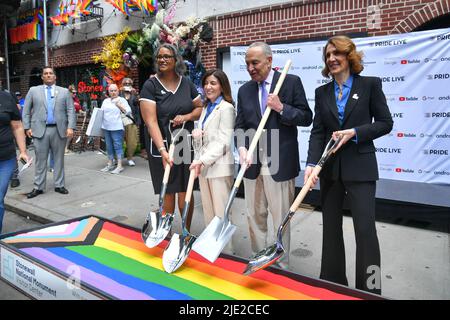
x: 171, y: 39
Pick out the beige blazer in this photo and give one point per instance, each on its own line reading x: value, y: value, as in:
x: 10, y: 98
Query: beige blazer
x: 218, y: 129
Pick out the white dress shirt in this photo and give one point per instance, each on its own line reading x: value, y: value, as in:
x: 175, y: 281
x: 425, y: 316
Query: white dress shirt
x: 52, y: 90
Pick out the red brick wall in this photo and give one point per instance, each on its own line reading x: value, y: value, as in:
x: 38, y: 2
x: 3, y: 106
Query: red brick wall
x: 27, y: 62
x: 313, y: 19
x: 81, y: 53
x: 75, y: 54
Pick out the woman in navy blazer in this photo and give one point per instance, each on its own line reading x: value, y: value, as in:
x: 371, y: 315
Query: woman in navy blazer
x: 355, y: 107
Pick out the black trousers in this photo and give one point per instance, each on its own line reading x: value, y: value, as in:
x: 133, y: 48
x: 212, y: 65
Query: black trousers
x: 361, y: 199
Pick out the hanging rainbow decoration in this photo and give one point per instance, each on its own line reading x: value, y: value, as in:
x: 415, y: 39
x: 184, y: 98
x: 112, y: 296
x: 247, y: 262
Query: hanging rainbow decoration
x: 114, y: 260
x: 127, y: 6
x: 73, y: 9
x: 28, y: 27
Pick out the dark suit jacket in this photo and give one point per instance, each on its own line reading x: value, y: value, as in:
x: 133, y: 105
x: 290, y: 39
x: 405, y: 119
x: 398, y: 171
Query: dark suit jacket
x: 354, y: 161
x: 296, y: 112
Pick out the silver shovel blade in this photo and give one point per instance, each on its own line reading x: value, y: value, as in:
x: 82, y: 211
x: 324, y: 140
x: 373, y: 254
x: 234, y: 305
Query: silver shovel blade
x: 156, y: 228
x: 177, y: 251
x: 264, y: 258
x: 213, y: 239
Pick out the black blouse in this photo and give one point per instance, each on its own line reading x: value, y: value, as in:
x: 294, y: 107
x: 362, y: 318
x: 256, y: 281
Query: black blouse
x: 170, y: 104
x: 8, y: 112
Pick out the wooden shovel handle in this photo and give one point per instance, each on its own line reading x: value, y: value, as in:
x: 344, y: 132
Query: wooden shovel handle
x: 167, y: 169
x: 301, y: 195
x: 190, y: 186
x: 263, y: 121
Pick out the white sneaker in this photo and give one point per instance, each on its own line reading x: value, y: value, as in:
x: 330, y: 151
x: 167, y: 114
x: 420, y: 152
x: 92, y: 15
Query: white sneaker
x: 131, y: 163
x: 108, y: 167
x: 117, y: 170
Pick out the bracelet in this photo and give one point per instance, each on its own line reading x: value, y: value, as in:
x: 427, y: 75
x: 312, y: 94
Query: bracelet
x: 161, y: 148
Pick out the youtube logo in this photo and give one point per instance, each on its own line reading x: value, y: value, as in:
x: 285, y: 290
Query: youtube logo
x: 398, y: 170
x: 400, y: 135
x: 402, y: 98
x: 404, y: 62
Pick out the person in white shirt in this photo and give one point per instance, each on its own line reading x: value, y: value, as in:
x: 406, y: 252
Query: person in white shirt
x: 113, y: 127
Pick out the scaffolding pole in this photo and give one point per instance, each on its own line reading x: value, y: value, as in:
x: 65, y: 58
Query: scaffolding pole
x: 45, y: 33
x: 6, y: 55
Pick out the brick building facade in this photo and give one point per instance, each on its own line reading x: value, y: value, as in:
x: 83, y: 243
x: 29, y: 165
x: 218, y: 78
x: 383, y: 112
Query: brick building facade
x: 292, y: 21
x: 314, y: 19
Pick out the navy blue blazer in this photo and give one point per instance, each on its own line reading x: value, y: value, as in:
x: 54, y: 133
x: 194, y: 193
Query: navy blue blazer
x: 366, y: 111
x: 281, y: 130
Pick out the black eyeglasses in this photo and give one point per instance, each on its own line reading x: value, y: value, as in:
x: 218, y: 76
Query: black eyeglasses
x: 164, y: 57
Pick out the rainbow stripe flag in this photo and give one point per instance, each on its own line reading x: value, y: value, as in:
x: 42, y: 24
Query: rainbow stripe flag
x: 113, y: 259
x: 127, y: 6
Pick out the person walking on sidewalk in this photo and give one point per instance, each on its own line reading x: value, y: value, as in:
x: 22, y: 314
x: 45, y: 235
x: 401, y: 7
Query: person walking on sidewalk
x: 77, y: 107
x: 49, y: 117
x: 113, y: 127
x: 15, y: 181
x: 11, y: 129
x: 131, y: 130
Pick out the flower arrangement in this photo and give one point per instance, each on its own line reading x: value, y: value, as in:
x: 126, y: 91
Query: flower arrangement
x: 138, y: 48
x: 111, y: 56
x: 126, y: 50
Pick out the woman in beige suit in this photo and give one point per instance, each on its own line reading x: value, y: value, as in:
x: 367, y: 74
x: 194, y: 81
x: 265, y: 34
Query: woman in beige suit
x: 215, y: 166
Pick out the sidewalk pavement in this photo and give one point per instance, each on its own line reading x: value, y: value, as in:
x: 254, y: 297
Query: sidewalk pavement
x: 415, y: 262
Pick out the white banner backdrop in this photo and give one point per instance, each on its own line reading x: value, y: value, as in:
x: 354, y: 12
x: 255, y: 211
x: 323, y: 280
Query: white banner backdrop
x: 415, y: 71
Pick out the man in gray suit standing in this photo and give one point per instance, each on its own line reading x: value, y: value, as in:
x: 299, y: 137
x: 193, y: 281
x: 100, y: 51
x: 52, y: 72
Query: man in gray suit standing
x: 49, y: 117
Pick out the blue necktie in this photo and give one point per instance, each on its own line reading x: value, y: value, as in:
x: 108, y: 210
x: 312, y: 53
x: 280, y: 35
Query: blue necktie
x: 50, y: 109
x: 264, y: 96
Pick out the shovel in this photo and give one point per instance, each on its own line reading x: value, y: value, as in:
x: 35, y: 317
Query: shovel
x: 218, y: 233
x: 25, y: 166
x: 157, y: 223
x: 82, y: 129
x: 269, y: 255
x: 180, y: 245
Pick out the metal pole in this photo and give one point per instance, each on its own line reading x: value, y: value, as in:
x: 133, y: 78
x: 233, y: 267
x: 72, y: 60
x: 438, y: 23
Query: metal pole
x: 6, y: 56
x: 45, y: 33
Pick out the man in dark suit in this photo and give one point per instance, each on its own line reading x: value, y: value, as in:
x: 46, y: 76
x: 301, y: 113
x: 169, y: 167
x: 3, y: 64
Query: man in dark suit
x: 270, y: 181
x: 49, y: 117
x: 354, y: 107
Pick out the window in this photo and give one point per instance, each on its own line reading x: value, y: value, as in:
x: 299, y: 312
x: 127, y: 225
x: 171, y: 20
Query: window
x: 88, y: 80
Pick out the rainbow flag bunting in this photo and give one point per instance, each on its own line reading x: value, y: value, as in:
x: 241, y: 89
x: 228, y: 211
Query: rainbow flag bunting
x: 28, y: 27
x: 74, y: 9
x: 127, y: 6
